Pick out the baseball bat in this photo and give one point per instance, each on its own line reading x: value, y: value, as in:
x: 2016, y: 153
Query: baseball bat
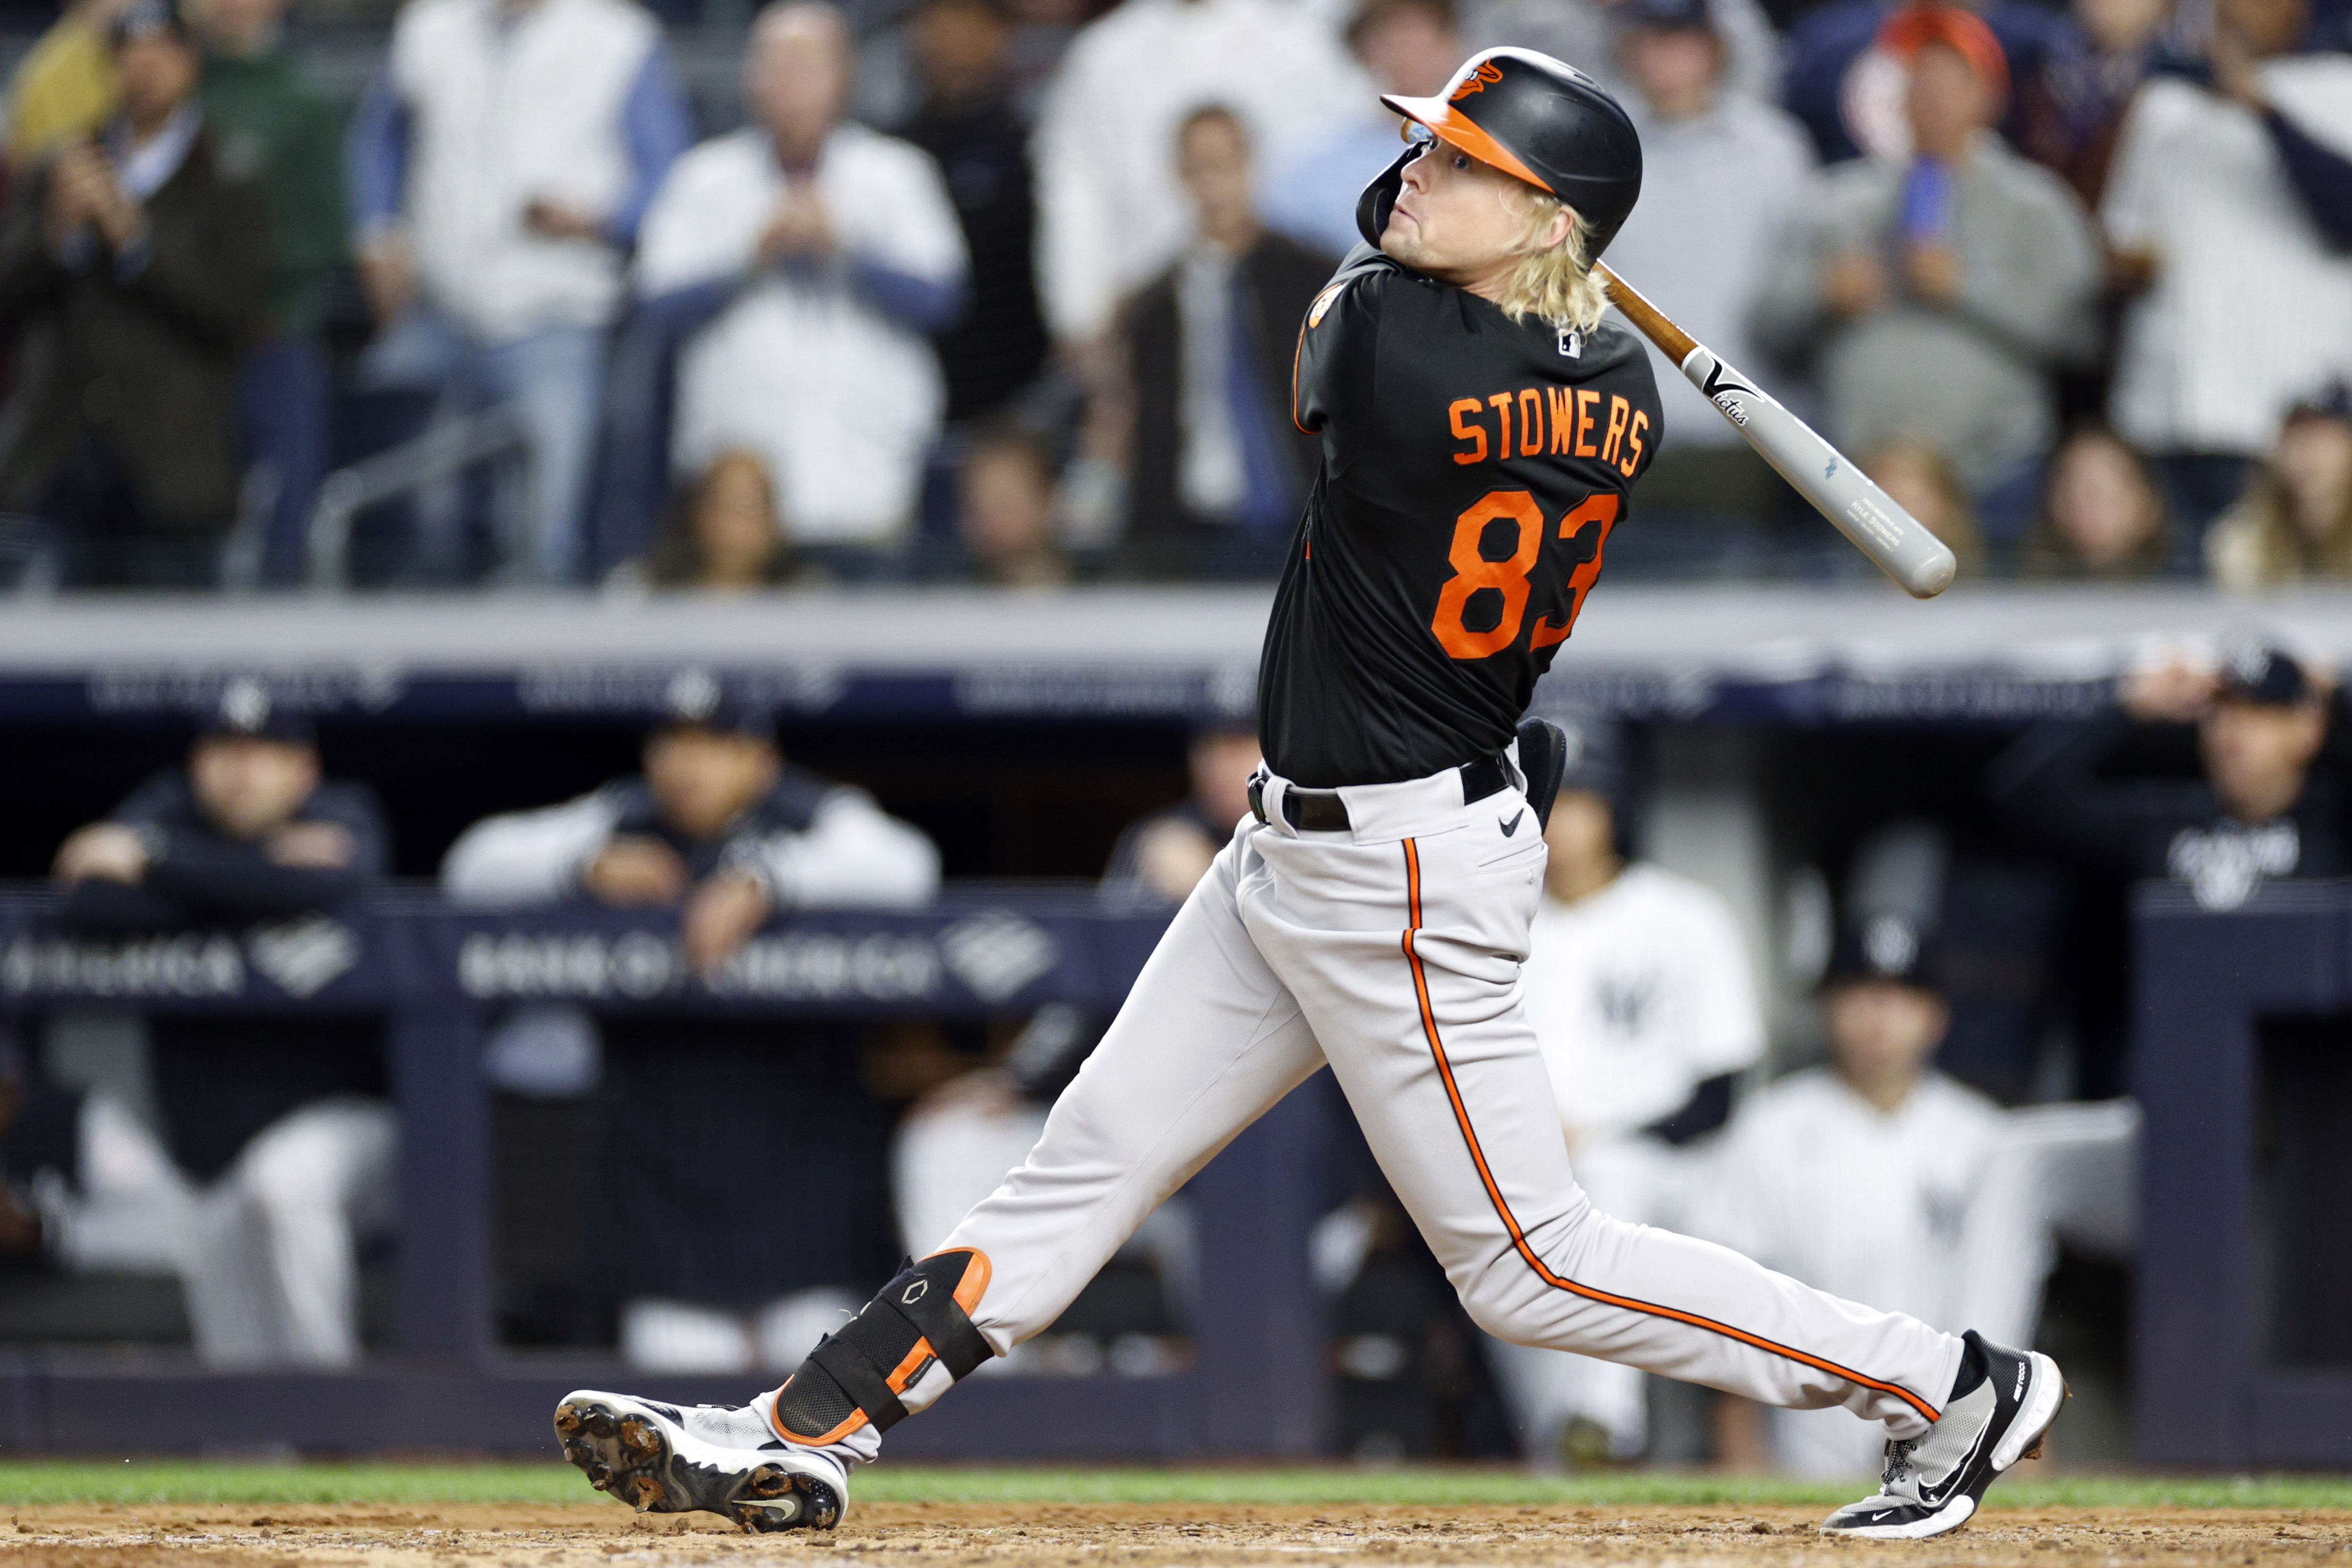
x: 1899, y: 543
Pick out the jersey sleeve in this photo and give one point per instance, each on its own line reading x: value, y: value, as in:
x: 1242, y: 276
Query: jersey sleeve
x: 1337, y: 343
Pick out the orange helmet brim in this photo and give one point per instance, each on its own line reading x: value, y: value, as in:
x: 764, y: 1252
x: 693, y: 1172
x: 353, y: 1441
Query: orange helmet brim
x: 1456, y: 129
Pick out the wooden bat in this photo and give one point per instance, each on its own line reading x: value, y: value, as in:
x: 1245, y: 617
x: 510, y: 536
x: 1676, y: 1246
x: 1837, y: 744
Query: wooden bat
x: 1891, y: 537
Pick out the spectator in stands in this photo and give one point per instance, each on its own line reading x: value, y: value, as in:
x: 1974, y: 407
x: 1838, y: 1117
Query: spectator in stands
x: 1937, y: 295
x: 1847, y: 69
x: 725, y: 535
x: 1112, y: 210
x: 2099, y: 53
x: 135, y: 268
x: 1588, y: 35
x: 1219, y: 467
x: 720, y: 829
x: 1813, y: 1169
x: 2270, y: 804
x: 1721, y: 173
x: 500, y: 168
x: 2295, y: 521
x: 1005, y: 517
x: 1921, y: 481
x: 64, y: 88
x: 972, y: 129
x: 276, y: 1152
x: 1406, y: 46
x: 271, y: 117
x: 820, y: 253
x: 1639, y: 992
x: 1159, y: 857
x: 2102, y: 519
x: 2230, y: 200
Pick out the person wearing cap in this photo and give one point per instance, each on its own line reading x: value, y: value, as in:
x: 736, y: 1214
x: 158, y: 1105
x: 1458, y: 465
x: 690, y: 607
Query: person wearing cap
x: 135, y: 266
x: 1856, y: 1177
x: 721, y: 830
x: 276, y: 1144
x: 1639, y: 988
x: 2270, y: 804
x: 1722, y: 170
x: 2294, y: 522
x: 1934, y: 296
x: 2229, y: 211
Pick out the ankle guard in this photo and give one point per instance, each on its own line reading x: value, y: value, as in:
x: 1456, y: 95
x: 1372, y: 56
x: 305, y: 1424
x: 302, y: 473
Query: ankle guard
x: 855, y: 1376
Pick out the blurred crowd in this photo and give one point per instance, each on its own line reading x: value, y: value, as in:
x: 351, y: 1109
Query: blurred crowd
x: 1006, y: 291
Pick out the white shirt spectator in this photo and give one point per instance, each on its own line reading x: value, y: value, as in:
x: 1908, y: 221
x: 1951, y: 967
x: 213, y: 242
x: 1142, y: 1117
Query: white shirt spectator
x: 1638, y: 995
x: 1814, y: 1180
x: 2251, y: 307
x: 802, y: 368
x: 1111, y: 213
x: 850, y: 854
x: 1715, y: 190
x: 512, y: 105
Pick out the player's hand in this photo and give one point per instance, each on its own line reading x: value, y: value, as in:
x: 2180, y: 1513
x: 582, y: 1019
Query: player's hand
x: 2173, y: 692
x: 106, y: 850
x: 721, y: 918
x: 634, y: 870
x: 387, y: 276
x: 557, y: 221
x: 1855, y: 284
x: 799, y: 226
x: 1934, y: 272
x: 313, y: 845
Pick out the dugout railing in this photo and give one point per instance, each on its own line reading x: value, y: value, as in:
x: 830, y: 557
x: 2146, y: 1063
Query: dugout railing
x: 439, y: 978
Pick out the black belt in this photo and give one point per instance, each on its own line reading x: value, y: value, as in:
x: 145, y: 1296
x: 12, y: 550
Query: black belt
x: 1323, y: 810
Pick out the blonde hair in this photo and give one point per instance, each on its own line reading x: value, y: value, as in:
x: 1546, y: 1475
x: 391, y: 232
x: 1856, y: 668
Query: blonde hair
x: 1554, y: 282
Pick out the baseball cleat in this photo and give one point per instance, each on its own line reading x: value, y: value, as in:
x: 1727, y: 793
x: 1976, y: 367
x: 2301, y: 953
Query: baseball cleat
x: 1933, y: 1482
x: 721, y: 1459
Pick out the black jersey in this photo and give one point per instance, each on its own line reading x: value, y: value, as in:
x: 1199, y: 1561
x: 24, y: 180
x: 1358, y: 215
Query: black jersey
x: 1471, y: 470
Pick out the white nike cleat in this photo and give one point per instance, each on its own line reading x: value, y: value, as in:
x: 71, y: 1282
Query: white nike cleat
x: 721, y: 1459
x: 1933, y: 1482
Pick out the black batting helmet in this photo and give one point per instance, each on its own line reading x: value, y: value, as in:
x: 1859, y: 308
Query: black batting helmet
x: 1542, y: 122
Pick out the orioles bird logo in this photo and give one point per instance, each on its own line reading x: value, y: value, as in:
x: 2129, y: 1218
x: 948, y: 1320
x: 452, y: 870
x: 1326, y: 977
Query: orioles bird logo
x: 1477, y: 80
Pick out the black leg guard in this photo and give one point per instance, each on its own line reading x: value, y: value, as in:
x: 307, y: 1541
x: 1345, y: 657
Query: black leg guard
x: 855, y: 1376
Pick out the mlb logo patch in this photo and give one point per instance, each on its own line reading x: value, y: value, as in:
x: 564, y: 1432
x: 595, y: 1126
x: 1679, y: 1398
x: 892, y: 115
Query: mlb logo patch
x: 1571, y: 344
x: 1323, y: 304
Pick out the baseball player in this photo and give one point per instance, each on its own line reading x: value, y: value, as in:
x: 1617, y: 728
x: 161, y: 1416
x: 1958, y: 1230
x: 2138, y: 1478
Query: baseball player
x: 1481, y: 425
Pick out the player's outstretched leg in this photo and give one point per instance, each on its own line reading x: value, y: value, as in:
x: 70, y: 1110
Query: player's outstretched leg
x: 2003, y: 1406
x: 766, y: 1465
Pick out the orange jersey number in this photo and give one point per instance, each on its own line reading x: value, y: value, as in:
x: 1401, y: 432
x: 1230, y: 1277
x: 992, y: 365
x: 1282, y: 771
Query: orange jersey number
x: 1473, y: 570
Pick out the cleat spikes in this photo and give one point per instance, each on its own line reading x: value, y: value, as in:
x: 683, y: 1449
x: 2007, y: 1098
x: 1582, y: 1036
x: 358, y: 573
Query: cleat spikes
x: 768, y: 1481
x: 601, y: 1425
x: 652, y: 1457
x: 647, y: 1491
x: 639, y: 1437
x: 567, y: 1419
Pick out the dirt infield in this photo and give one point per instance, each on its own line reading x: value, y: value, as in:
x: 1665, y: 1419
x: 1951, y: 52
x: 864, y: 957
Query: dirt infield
x: 1047, y: 1535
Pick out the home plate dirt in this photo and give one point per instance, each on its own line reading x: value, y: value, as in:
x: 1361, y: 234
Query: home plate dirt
x: 1002, y: 1535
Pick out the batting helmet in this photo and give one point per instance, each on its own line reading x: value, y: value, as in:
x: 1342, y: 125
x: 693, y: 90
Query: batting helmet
x: 1537, y: 120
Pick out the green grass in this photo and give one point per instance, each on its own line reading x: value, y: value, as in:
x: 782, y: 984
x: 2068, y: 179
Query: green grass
x: 179, y: 1482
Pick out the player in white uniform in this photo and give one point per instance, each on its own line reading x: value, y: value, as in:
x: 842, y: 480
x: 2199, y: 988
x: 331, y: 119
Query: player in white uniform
x: 1371, y: 914
x: 1879, y: 1179
x: 1638, y: 986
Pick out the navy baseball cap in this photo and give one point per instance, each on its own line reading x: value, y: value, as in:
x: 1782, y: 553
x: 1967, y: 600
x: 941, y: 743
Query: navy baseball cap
x: 246, y: 710
x: 697, y: 700
x: 2265, y: 675
x: 1668, y: 15
x: 2332, y: 401
x: 1885, y: 947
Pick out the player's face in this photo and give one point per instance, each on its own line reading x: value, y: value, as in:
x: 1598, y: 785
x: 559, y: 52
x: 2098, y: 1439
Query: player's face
x: 1459, y: 220
x: 2258, y: 753
x: 1881, y: 1031
x: 246, y: 786
x: 702, y: 780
